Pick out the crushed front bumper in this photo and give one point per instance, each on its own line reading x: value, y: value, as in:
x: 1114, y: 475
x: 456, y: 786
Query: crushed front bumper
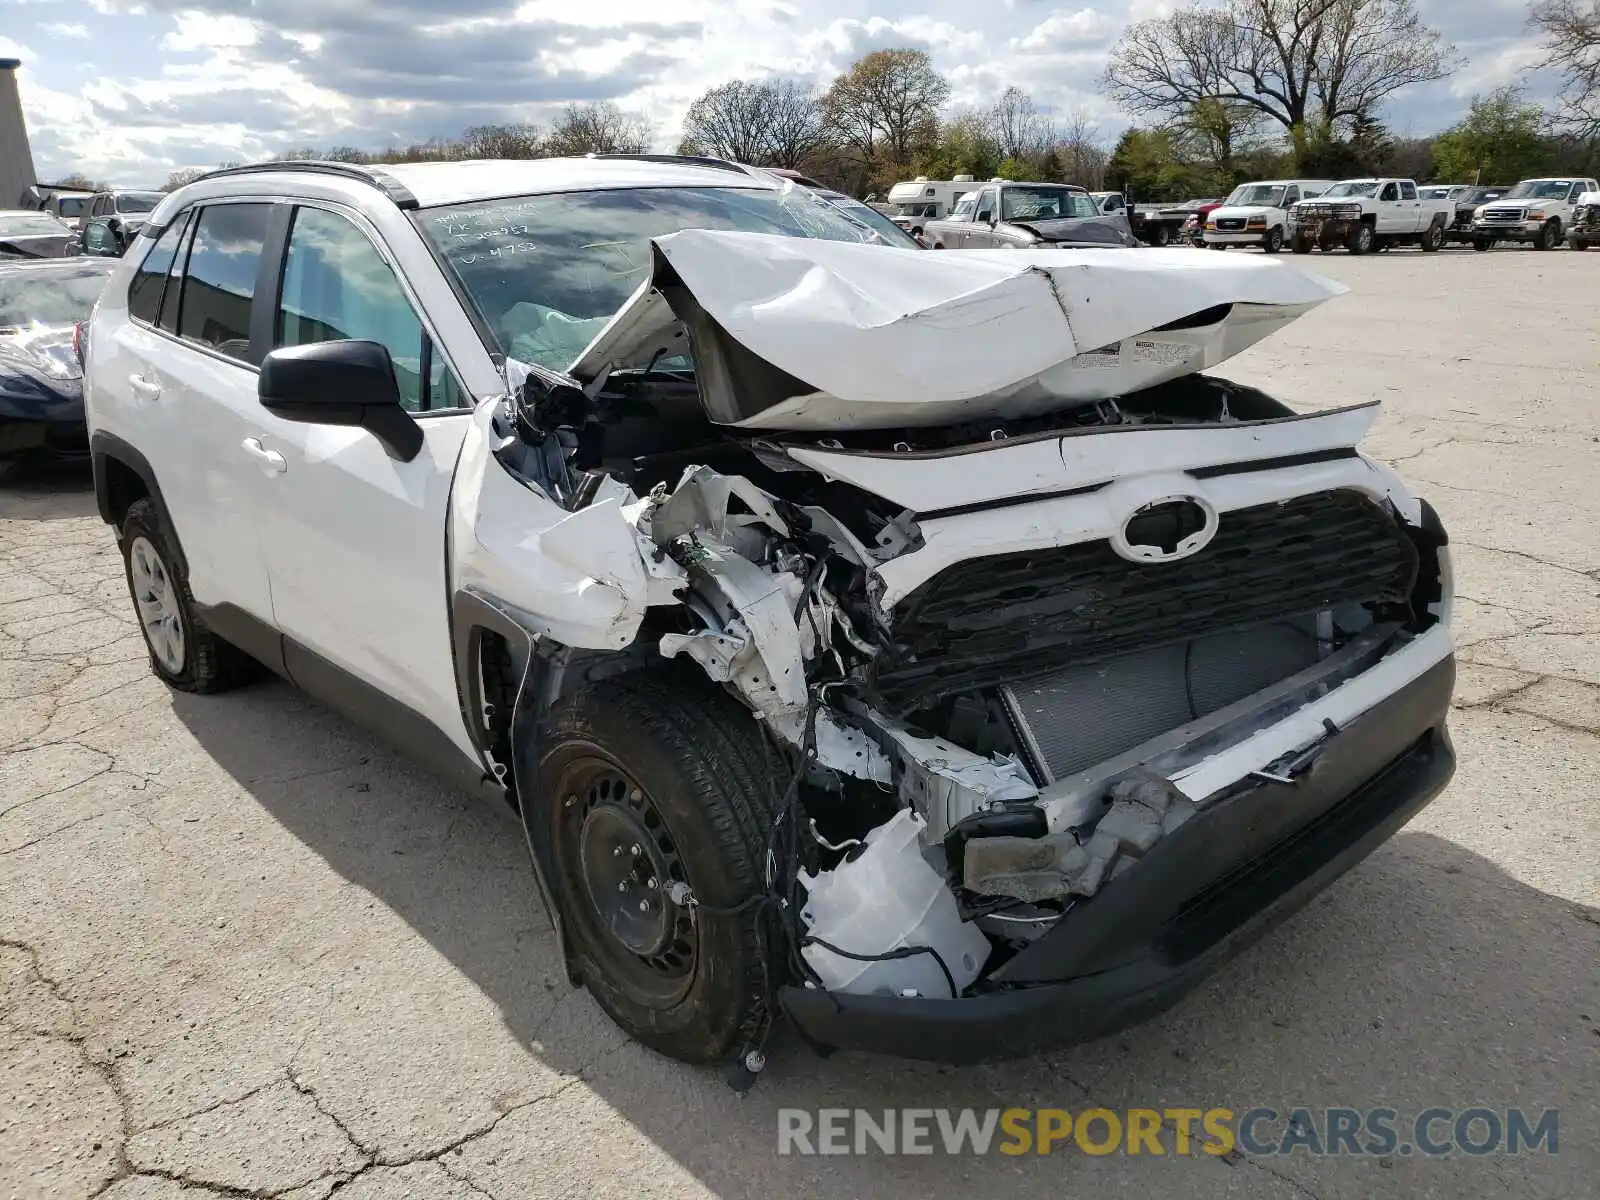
x: 1195, y: 900
x: 1325, y: 231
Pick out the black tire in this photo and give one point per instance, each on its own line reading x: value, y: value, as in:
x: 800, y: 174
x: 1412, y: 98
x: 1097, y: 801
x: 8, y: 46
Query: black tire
x: 1362, y: 240
x: 1432, y: 238
x: 1300, y: 245
x: 1549, y: 235
x: 204, y: 662
x: 1575, y: 244
x: 1481, y: 243
x: 664, y: 750
x: 1160, y: 236
x: 1273, y: 242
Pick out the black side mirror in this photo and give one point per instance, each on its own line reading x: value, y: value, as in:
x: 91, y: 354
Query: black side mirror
x: 340, y: 383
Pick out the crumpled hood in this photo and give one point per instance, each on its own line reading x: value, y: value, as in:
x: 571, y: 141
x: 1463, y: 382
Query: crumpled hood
x: 805, y: 334
x: 1103, y: 231
x: 41, y: 349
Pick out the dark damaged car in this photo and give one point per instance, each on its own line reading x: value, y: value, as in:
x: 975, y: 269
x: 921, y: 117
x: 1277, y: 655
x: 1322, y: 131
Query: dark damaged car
x: 921, y: 648
x: 1014, y: 216
x: 41, y: 381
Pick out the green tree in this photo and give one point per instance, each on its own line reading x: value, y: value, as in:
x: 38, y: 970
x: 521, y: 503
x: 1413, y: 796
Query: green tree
x: 1150, y: 163
x: 1499, y: 141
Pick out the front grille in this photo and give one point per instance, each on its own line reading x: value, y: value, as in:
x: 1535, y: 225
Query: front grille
x: 1316, y: 212
x: 1505, y: 216
x: 1011, y: 617
x: 1230, y: 224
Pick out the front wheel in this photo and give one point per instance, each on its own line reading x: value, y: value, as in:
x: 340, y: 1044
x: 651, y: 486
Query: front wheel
x: 1301, y: 244
x: 653, y: 780
x: 1482, y: 243
x: 1361, y: 240
x: 1575, y: 244
x: 1273, y: 242
x: 1547, y: 237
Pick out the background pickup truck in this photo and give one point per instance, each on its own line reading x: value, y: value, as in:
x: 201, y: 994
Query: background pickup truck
x: 1157, y: 224
x: 1364, y: 215
x: 1002, y: 215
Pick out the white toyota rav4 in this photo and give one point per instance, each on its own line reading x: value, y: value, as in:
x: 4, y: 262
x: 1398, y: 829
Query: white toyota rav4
x: 915, y: 646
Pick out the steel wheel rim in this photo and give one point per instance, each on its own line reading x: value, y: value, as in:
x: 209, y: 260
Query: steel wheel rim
x: 155, y: 595
x: 620, y: 860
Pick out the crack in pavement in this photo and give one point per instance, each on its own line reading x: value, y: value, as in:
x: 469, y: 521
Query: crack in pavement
x: 1534, y: 558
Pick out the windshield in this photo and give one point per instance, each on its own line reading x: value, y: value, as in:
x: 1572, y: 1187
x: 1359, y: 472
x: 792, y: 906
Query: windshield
x: 871, y: 217
x: 1540, y: 189
x: 48, y: 297
x: 1353, y: 187
x: 1438, y: 193
x: 1484, y: 195
x: 965, y: 207
x: 547, y: 272
x: 1262, y: 194
x: 1018, y: 203
x: 31, y: 225
x: 914, y: 210
x: 138, y: 202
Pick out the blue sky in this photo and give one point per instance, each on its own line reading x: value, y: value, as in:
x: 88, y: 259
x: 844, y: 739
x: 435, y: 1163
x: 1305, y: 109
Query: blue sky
x: 127, y: 90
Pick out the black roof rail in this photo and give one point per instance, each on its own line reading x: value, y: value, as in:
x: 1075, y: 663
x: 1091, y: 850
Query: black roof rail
x: 699, y: 160
x: 382, y: 180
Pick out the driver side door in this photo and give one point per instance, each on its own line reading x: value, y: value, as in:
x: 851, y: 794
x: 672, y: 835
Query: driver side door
x: 354, y: 538
x: 980, y: 234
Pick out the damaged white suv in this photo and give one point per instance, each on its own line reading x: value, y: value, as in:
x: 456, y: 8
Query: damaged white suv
x: 915, y: 646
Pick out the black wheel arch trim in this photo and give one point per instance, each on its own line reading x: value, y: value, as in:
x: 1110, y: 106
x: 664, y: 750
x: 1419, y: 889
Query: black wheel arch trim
x: 108, y: 447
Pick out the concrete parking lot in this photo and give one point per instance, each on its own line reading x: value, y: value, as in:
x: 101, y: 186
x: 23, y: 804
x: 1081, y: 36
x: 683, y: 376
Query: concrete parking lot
x: 245, y: 950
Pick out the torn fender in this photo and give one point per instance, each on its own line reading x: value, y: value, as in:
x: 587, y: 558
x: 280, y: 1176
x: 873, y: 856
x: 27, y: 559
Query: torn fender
x: 583, y: 578
x: 806, y: 334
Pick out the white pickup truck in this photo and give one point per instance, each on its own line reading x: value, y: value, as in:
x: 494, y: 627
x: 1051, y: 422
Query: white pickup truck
x: 1536, y: 210
x: 1364, y: 215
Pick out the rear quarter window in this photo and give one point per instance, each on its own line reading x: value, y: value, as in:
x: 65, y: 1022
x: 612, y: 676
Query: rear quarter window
x: 144, y: 293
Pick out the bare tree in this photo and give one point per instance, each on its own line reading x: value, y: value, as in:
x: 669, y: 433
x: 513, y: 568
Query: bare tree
x: 1079, y: 151
x: 797, y: 127
x: 1301, y: 63
x: 1221, y: 130
x: 887, y: 104
x: 502, y: 141
x: 598, y: 128
x: 1571, y: 33
x: 1018, y: 127
x: 732, y: 120
x: 182, y: 177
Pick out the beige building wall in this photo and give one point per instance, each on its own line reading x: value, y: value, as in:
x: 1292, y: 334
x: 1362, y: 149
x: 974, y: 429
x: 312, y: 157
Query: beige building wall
x: 16, y: 158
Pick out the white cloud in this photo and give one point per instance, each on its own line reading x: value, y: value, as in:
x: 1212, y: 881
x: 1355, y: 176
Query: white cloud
x: 63, y: 29
x: 1064, y: 29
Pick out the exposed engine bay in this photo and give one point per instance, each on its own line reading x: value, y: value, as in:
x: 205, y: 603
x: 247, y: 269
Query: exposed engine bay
x: 1004, y: 655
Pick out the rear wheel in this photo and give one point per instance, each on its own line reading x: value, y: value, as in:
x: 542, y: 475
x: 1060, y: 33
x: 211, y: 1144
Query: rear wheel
x: 183, y: 652
x: 1432, y: 238
x: 652, y: 780
x: 1160, y: 235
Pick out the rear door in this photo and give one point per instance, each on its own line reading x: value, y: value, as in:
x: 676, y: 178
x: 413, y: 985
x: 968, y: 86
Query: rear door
x: 184, y: 361
x: 355, y: 539
x: 1416, y: 218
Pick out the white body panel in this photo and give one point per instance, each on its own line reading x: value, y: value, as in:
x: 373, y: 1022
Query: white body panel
x: 922, y: 339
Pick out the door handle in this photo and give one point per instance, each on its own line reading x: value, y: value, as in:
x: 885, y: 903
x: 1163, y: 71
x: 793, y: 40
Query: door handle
x: 144, y: 389
x: 271, y: 461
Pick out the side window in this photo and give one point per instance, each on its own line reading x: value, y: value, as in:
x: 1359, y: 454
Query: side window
x: 1390, y: 192
x: 1290, y: 196
x: 219, y: 280
x: 986, y: 205
x: 1408, y: 191
x: 336, y: 285
x: 144, y: 293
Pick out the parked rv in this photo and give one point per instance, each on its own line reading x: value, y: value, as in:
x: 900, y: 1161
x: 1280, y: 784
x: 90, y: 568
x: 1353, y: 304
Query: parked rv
x: 917, y: 201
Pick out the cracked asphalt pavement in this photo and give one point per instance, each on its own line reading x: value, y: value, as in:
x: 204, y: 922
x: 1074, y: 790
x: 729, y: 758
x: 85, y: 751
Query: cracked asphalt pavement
x: 245, y: 950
